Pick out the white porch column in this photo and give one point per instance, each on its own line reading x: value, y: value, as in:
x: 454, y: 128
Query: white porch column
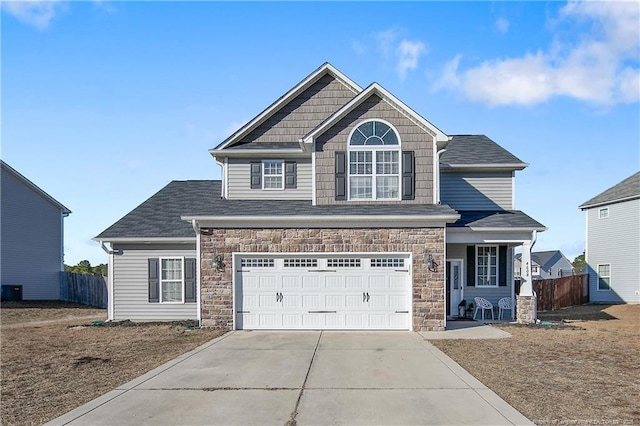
x: 526, y: 285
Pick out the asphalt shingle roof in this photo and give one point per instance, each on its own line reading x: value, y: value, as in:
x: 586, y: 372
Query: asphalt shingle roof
x: 159, y: 216
x: 476, y: 149
x: 496, y: 219
x: 544, y: 258
x: 627, y: 189
x: 265, y: 145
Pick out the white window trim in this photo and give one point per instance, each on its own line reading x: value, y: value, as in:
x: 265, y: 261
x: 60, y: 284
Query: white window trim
x: 282, y: 175
x: 598, y: 276
x: 497, y: 266
x: 374, y: 149
x: 603, y: 210
x: 160, y: 280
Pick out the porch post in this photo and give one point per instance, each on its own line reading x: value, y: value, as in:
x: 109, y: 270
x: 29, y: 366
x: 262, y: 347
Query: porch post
x: 526, y: 302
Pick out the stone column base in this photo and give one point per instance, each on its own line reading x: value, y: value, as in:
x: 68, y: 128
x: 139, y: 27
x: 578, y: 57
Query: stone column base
x: 526, y: 309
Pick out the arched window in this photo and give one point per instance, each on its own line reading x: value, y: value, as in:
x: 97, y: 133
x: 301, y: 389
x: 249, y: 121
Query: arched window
x: 374, y: 162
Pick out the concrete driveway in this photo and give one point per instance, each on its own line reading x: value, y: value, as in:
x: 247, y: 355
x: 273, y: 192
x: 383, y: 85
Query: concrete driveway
x: 308, y: 378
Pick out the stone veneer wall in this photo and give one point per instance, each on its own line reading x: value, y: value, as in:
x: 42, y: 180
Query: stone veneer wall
x: 216, y: 288
x: 526, y: 309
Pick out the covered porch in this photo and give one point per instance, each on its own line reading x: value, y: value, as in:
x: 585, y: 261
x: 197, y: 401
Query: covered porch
x: 480, y: 249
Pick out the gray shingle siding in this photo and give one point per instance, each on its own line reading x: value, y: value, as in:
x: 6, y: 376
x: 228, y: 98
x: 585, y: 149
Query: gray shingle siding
x: 413, y: 138
x: 302, y: 114
x: 615, y: 241
x: 31, y: 242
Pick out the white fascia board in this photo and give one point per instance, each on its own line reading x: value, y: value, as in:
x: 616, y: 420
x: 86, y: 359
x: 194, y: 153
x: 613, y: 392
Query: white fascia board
x: 508, y: 229
x: 375, y: 88
x: 606, y: 203
x: 387, y: 221
x: 252, y: 153
x: 484, y: 166
x: 468, y: 236
x: 150, y: 240
x: 287, y: 97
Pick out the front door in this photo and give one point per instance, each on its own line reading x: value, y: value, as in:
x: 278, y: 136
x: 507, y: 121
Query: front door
x: 454, y: 285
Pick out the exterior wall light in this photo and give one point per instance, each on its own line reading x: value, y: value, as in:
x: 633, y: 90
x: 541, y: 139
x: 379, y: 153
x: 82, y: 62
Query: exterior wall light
x: 219, y: 263
x: 431, y: 264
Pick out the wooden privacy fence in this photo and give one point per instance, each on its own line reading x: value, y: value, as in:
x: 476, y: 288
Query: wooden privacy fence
x: 562, y: 292
x: 82, y: 288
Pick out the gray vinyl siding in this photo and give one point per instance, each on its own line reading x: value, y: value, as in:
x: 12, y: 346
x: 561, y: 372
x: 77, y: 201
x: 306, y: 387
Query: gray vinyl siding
x: 477, y: 190
x: 31, y: 240
x: 303, y: 113
x: 412, y: 138
x: 615, y: 241
x: 131, y: 284
x: 459, y: 251
x: 239, y: 181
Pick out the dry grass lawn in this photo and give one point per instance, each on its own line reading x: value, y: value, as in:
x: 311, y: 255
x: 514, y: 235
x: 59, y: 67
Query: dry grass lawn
x: 53, y: 365
x: 583, y: 371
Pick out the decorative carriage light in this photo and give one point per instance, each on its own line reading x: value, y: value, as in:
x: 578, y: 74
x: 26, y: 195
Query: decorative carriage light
x: 431, y: 264
x: 219, y: 260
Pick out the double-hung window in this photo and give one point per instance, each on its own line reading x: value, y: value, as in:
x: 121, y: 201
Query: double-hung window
x: 272, y: 174
x: 374, y: 162
x: 171, y: 280
x: 487, y: 266
x: 604, y: 277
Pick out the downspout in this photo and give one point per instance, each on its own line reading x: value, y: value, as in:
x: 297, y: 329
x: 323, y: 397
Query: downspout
x: 196, y: 228
x: 110, y: 269
x: 437, y: 175
x: 223, y: 187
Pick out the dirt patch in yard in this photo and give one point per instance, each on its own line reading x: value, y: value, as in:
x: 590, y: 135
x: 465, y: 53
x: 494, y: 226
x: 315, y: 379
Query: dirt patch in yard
x: 48, y: 369
x: 582, y: 367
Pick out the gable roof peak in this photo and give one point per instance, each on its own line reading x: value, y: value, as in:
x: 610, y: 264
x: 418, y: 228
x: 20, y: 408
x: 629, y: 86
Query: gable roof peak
x: 317, y: 74
x: 376, y: 88
x: 626, y: 190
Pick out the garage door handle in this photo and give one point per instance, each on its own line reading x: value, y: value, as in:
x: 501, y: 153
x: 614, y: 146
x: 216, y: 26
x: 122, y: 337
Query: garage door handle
x: 364, y: 296
x: 367, y: 297
x: 279, y: 297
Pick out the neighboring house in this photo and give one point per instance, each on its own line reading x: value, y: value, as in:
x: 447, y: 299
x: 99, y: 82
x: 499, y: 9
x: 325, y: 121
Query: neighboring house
x: 545, y: 265
x: 339, y: 208
x: 32, y: 235
x: 612, y: 255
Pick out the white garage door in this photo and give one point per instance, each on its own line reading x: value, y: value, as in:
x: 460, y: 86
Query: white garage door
x: 323, y: 292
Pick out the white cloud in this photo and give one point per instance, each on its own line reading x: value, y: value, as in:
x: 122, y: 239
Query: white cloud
x: 599, y: 65
x: 502, y: 25
x: 35, y: 13
x: 386, y: 40
x: 409, y: 52
x: 359, y: 47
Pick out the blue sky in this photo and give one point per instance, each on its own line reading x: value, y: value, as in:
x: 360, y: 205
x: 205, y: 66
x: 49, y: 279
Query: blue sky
x: 104, y: 103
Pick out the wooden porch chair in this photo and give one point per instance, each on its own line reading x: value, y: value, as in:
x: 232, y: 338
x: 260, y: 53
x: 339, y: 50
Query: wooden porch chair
x: 484, y: 304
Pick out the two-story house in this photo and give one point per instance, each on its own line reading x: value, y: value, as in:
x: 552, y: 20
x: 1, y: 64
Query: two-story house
x: 612, y: 254
x: 339, y: 208
x: 545, y: 265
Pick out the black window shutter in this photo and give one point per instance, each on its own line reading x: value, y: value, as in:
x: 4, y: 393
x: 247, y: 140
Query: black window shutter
x: 189, y: 280
x: 256, y: 175
x: 290, y: 174
x: 408, y: 175
x: 341, y: 175
x: 471, y: 266
x: 154, y: 281
x: 502, y: 266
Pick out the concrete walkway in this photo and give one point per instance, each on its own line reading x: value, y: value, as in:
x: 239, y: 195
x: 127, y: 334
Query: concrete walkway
x: 304, y: 378
x: 466, y: 330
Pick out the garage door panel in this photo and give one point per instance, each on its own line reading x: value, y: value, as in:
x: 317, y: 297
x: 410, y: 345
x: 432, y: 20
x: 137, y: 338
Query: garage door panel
x: 353, y: 283
x: 334, y: 301
x: 292, y: 320
x: 334, y: 282
x: 291, y: 282
x: 313, y: 321
x: 378, y: 282
x: 269, y: 282
x: 354, y: 321
x: 311, y: 301
x: 333, y: 321
x: 353, y: 301
x: 398, y: 302
x: 292, y: 301
x: 312, y: 282
x: 269, y: 320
